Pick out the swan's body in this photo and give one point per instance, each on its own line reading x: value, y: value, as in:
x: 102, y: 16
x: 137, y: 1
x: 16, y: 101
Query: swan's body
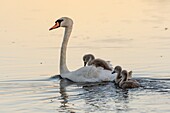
x: 84, y: 74
x: 89, y: 59
x: 89, y: 74
x: 125, y: 83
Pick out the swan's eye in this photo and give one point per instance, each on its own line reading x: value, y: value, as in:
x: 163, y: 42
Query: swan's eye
x: 59, y: 21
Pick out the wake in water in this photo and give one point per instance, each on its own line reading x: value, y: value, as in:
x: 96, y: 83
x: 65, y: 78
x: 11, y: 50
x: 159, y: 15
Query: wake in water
x: 157, y: 84
x: 90, y: 97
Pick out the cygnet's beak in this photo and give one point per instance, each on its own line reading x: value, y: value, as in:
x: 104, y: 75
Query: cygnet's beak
x: 113, y: 72
x: 85, y: 63
x: 55, y: 26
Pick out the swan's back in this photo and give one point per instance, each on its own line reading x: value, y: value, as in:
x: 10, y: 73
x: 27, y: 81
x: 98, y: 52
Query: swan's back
x: 89, y: 74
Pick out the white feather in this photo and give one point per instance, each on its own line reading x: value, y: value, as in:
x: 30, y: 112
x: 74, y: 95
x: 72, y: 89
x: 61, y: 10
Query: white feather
x: 89, y: 74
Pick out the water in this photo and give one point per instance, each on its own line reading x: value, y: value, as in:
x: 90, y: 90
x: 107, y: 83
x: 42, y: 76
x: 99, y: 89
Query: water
x: 133, y: 34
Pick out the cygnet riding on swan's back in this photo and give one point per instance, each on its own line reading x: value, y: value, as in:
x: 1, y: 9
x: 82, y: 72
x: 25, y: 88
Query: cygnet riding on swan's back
x: 89, y: 59
x: 84, y: 74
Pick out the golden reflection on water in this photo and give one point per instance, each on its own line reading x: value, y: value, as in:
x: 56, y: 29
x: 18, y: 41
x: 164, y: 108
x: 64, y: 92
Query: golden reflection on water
x: 125, y: 32
x: 27, y: 20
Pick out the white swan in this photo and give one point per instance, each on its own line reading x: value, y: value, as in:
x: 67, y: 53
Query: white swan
x: 84, y: 74
x: 89, y: 59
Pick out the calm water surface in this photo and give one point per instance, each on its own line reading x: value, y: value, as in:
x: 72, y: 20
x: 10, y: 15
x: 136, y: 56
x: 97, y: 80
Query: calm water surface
x: 133, y: 34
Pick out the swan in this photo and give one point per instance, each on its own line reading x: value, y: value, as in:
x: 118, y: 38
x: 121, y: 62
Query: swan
x: 89, y: 59
x: 83, y: 74
x: 125, y: 83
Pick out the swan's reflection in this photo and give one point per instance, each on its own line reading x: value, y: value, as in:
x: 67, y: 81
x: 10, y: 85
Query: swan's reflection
x: 97, y: 96
x: 63, y: 84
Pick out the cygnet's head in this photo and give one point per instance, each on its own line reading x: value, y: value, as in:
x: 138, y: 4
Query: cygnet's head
x: 87, y: 58
x: 117, y: 69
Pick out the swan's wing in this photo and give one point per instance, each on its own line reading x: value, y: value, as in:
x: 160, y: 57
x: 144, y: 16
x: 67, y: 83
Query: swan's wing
x: 89, y: 74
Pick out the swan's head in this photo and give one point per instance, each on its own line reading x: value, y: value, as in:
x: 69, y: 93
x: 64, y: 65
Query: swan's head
x: 62, y: 22
x: 117, y: 69
x: 87, y: 58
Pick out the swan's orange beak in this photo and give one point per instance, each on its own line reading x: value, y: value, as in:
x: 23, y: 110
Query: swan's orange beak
x: 55, y: 26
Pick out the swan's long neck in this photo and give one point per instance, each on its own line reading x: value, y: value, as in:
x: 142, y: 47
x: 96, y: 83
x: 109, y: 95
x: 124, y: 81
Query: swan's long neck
x: 63, y: 66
